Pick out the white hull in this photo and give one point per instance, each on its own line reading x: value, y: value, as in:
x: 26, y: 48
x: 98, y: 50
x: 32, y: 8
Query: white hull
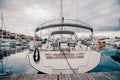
x: 89, y: 60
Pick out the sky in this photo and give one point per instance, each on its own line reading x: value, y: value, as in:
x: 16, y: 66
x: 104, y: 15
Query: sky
x: 23, y: 16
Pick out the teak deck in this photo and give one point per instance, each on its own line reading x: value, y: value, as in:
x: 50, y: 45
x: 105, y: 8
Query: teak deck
x: 115, y: 75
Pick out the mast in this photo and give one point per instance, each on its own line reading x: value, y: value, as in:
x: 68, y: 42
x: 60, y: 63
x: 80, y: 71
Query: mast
x: 2, y: 25
x: 62, y: 18
x: 5, y: 29
x: 61, y: 12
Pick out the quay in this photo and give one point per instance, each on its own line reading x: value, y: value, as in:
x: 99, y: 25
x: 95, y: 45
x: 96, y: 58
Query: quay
x: 114, y: 75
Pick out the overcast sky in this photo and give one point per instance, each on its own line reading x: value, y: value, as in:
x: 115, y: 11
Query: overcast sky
x: 22, y: 16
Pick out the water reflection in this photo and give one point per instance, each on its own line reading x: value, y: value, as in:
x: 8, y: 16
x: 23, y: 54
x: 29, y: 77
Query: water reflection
x: 18, y: 63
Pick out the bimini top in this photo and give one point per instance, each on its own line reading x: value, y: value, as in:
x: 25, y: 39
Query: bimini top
x: 62, y: 32
x: 63, y: 24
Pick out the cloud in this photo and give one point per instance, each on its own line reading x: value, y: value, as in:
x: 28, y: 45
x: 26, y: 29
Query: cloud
x: 21, y: 15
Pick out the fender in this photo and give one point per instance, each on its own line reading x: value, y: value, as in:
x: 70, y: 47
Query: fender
x: 36, y: 55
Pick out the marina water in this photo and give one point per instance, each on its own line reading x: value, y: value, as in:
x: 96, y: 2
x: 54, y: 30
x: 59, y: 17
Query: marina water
x: 18, y: 63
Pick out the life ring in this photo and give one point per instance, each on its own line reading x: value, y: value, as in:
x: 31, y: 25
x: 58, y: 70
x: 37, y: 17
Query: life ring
x: 36, y: 55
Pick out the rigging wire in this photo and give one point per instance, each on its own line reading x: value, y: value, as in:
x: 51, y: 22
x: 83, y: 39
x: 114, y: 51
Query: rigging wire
x: 61, y: 8
x: 68, y: 61
x: 77, y: 77
x: 75, y: 2
x: 77, y: 8
x: 49, y: 8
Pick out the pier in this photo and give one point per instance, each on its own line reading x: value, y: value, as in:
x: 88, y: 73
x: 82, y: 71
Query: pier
x: 114, y: 75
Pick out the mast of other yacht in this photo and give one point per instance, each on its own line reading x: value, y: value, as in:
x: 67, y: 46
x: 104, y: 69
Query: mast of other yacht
x: 2, y: 26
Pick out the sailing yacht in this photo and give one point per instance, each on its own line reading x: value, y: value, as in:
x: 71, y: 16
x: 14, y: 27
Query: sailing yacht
x: 63, y: 54
x: 4, y: 44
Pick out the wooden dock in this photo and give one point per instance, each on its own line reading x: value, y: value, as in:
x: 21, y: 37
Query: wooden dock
x: 114, y: 75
